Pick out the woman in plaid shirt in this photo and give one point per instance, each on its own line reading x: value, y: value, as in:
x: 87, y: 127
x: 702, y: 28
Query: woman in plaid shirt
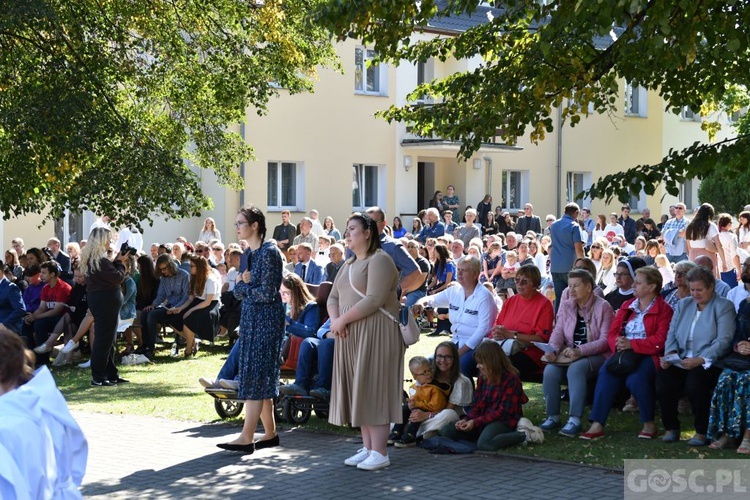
x: 497, y: 406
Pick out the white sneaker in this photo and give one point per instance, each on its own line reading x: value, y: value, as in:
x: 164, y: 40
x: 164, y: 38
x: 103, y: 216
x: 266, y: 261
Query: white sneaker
x: 207, y: 382
x: 358, y: 458
x: 229, y: 384
x: 87, y: 364
x: 70, y: 346
x: 42, y: 349
x: 374, y: 461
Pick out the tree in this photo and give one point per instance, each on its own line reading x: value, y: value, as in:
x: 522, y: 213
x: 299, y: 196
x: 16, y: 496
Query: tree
x: 566, y: 55
x: 110, y: 105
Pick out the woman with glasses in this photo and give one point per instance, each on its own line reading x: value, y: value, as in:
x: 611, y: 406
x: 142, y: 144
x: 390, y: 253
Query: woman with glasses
x: 446, y: 368
x: 605, y: 277
x: 681, y: 289
x: 526, y: 317
x: 624, y: 278
x: 595, y: 254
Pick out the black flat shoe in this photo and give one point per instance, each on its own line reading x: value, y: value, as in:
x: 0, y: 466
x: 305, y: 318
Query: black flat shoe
x: 244, y: 448
x: 119, y: 380
x: 267, y: 443
x: 105, y: 383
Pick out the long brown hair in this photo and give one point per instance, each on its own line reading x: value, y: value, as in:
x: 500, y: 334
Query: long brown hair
x: 301, y: 296
x: 16, y: 362
x: 496, y: 363
x: 198, y: 280
x: 456, y: 370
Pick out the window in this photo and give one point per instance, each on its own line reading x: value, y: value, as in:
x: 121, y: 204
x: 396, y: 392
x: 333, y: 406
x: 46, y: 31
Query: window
x: 368, y: 79
x: 689, y: 194
x: 637, y: 202
x: 576, y: 182
x: 689, y: 114
x: 635, y: 100
x: 69, y: 227
x: 425, y: 74
x: 515, y: 189
x: 284, y: 184
x: 365, y: 190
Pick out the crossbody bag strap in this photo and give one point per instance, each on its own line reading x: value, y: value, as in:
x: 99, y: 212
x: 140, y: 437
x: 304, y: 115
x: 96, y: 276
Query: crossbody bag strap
x: 351, y: 283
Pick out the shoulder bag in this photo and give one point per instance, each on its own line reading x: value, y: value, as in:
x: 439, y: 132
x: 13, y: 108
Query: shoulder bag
x: 406, y: 322
x: 735, y: 361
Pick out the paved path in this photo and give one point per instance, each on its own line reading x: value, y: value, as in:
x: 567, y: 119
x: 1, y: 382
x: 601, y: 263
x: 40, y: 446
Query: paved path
x: 145, y: 457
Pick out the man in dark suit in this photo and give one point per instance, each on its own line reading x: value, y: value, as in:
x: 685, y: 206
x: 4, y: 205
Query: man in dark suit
x: 53, y: 244
x: 529, y: 222
x: 306, y: 268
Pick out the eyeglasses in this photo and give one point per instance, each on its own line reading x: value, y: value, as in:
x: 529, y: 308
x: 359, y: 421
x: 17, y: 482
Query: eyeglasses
x: 681, y: 273
x: 217, y: 249
x: 240, y: 224
x: 596, y: 247
x: 622, y: 275
x: 443, y: 356
x: 422, y: 374
x: 162, y: 268
x: 679, y: 208
x: 522, y: 282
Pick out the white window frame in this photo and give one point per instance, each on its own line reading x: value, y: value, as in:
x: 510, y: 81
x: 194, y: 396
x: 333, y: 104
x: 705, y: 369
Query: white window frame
x: 689, y: 194
x: 688, y: 114
x: 299, y: 177
x: 425, y: 74
x: 358, y: 179
x: 381, y: 75
x: 636, y: 104
x: 522, y: 196
x: 637, y: 204
x: 570, y: 190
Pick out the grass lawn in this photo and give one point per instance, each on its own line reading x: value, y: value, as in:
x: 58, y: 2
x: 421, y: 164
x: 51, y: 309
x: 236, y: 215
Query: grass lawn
x: 169, y: 389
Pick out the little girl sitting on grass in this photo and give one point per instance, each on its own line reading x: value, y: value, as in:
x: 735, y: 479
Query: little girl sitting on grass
x: 497, y: 407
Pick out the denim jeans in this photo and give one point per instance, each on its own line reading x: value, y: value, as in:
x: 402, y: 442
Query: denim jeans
x: 560, y: 281
x: 232, y: 365
x: 315, y: 355
x: 413, y: 297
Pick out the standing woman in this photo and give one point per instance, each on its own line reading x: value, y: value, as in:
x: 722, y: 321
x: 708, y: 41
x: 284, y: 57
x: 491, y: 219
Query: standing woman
x: 261, y: 331
x: 743, y: 233
x: 209, y: 231
x: 702, y: 236
x: 368, y: 366
x: 103, y: 280
x: 730, y: 269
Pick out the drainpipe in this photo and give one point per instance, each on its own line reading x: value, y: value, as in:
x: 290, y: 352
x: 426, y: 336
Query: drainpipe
x: 488, y: 162
x: 242, y: 169
x: 559, y: 160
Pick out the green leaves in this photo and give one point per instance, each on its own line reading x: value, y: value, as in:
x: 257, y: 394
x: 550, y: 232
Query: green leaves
x: 115, y: 106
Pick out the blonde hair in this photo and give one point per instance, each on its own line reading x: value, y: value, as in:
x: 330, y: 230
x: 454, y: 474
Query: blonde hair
x: 95, y: 250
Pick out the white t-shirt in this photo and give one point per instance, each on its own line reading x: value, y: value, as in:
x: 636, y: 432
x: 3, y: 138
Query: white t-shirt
x: 613, y: 230
x: 231, y: 279
x: 213, y: 286
x: 712, y: 231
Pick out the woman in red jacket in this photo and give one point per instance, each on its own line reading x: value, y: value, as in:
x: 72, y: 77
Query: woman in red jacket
x: 641, y: 324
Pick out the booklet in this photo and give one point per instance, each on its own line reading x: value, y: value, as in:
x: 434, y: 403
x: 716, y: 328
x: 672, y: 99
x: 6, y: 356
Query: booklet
x: 674, y: 360
x: 544, y: 347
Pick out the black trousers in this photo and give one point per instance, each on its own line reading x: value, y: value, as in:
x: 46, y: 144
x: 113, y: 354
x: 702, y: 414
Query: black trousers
x: 697, y: 384
x: 105, y: 307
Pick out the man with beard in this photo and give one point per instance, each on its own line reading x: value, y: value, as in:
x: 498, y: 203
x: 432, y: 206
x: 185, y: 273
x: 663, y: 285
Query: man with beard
x: 740, y: 293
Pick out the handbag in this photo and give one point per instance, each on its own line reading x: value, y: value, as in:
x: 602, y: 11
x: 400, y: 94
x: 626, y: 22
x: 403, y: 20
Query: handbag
x: 407, y: 324
x: 735, y: 361
x: 511, y: 346
x: 560, y: 360
x: 624, y: 362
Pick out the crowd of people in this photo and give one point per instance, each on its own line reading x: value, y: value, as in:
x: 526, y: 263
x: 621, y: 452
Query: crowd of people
x: 626, y: 312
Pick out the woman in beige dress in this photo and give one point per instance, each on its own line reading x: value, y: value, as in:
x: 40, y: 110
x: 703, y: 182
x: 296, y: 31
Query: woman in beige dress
x: 368, y: 362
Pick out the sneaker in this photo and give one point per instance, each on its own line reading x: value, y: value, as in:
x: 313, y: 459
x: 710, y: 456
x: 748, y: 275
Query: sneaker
x: 42, y: 349
x: 631, y: 406
x: 208, y: 383
x: 105, y: 383
x: 69, y: 347
x: 550, y: 425
x: 570, y: 430
x: 175, y: 351
x: 293, y: 390
x: 87, y: 364
x: 321, y: 393
x: 229, y: 384
x: 374, y: 461
x: 408, y: 441
x: 358, y: 457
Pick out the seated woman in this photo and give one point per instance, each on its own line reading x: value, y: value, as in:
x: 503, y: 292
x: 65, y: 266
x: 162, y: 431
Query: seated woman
x: 526, y: 317
x: 446, y: 368
x: 497, y: 407
x: 303, y: 318
x: 729, y: 418
x: 200, y: 312
x: 700, y: 334
x: 640, y: 325
x: 588, y: 265
x: 37, y: 432
x: 681, y: 289
x: 580, y: 334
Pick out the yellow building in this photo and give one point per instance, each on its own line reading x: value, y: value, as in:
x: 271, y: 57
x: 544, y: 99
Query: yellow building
x: 327, y: 151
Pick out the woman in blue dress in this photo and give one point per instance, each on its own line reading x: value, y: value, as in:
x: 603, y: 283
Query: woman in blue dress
x: 261, y: 331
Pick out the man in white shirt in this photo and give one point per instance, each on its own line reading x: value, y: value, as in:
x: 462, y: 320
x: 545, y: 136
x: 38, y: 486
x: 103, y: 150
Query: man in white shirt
x: 471, y: 308
x: 457, y: 251
x: 229, y: 314
x: 740, y: 293
x: 317, y: 228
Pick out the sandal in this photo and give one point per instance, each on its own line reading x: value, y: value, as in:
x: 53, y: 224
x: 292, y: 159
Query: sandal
x: 744, y: 447
x: 723, y: 442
